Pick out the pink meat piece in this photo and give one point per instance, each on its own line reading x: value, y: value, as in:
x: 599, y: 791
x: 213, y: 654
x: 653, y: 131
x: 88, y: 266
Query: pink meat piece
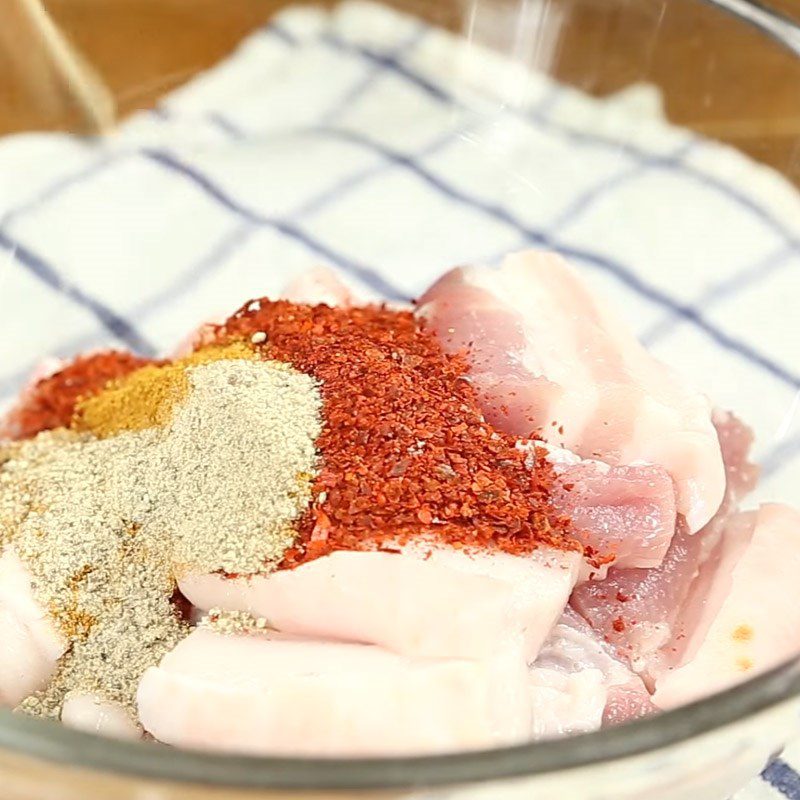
x: 547, y: 357
x: 92, y: 713
x: 432, y: 602
x: 566, y: 703
x: 745, y: 617
x: 199, y: 337
x: 648, y: 613
x: 317, y: 286
x: 625, y: 511
x: 30, y: 643
x: 271, y: 694
x: 599, y: 685
x: 635, y: 609
x: 44, y: 369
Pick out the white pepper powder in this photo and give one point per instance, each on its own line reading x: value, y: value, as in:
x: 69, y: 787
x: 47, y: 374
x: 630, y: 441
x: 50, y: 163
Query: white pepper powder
x: 106, y: 525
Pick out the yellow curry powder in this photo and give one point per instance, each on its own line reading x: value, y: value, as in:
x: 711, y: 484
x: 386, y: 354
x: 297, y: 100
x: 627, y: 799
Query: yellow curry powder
x: 147, y: 397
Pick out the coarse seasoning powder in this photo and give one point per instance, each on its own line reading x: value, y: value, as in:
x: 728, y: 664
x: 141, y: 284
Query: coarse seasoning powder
x: 222, y: 620
x: 105, y: 525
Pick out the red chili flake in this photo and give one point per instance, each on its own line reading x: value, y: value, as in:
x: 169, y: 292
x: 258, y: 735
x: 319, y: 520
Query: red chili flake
x: 322, y: 525
x: 182, y: 607
x: 623, y: 598
x: 404, y: 440
x: 618, y: 625
x: 51, y: 402
x: 593, y: 557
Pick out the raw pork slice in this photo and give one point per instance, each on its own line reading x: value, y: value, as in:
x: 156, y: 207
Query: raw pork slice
x: 648, y: 613
x: 274, y: 694
x: 431, y: 602
x: 92, y: 714
x: 30, y: 644
x: 578, y: 683
x: 547, y: 357
x: 316, y: 286
x: 626, y: 511
x: 748, y: 617
x: 566, y: 703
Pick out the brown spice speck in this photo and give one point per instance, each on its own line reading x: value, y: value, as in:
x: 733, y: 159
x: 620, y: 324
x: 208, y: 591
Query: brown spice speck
x: 744, y: 633
x: 74, y: 623
x: 78, y: 577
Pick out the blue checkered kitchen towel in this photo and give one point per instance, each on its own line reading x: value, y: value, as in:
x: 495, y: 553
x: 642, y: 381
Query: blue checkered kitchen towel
x: 365, y: 140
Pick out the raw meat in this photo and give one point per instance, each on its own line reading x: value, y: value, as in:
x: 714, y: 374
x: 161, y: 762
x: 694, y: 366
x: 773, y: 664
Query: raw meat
x: 635, y: 609
x: 93, y: 714
x: 316, y: 286
x: 749, y: 616
x: 274, y: 694
x: 579, y: 682
x: 566, y: 703
x: 431, y: 602
x: 31, y: 645
x: 625, y: 511
x: 548, y: 358
x: 648, y: 613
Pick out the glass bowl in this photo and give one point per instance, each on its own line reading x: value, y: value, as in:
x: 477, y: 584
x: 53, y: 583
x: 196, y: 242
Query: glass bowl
x: 690, y: 116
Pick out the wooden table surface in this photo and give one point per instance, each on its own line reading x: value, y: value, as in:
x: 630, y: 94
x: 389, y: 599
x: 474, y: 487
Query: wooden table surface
x: 719, y: 76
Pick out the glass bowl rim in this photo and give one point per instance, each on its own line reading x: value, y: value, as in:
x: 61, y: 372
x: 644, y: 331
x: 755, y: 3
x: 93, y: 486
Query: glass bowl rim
x: 770, y: 22
x: 49, y: 741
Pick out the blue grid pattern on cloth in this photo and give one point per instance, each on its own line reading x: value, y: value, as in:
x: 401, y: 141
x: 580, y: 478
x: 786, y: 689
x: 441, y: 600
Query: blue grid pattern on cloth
x: 390, y: 151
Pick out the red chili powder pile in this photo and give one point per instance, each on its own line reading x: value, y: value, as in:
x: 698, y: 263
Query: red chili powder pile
x: 405, y: 449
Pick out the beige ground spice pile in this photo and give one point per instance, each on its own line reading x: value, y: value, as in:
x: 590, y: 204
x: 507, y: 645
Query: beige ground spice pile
x: 105, y: 524
x: 222, y: 620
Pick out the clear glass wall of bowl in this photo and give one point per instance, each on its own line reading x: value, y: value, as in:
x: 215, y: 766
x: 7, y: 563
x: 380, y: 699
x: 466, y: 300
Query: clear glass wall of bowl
x: 656, y: 143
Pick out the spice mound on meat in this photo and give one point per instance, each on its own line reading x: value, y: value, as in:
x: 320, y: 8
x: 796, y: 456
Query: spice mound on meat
x: 205, y: 463
x: 328, y: 529
x: 292, y: 432
x: 405, y: 448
